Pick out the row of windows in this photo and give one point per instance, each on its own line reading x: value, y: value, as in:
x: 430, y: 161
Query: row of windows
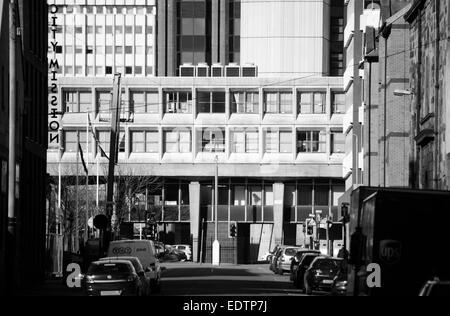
x: 90, y: 9
x: 238, y: 192
x: 101, y: 49
x: 213, y: 140
x: 108, y: 29
x: 210, y: 102
x: 74, y: 105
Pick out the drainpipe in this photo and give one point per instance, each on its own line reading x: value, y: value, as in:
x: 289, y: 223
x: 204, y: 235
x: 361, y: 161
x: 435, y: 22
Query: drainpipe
x: 436, y: 99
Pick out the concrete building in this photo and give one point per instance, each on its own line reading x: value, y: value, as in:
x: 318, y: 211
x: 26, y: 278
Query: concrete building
x: 378, y: 120
x: 429, y: 71
x: 265, y: 33
x: 278, y: 138
x: 27, y: 245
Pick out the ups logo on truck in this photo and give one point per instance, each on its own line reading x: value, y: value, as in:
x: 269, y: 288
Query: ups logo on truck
x: 390, y: 251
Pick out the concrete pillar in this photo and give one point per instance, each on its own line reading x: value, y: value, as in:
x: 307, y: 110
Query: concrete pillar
x: 278, y: 209
x: 162, y: 34
x: 215, y: 32
x: 194, y: 201
x: 224, y: 32
x: 171, y: 38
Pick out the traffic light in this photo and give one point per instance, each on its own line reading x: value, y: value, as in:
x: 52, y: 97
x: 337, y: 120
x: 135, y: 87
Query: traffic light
x: 233, y: 230
x: 310, y: 230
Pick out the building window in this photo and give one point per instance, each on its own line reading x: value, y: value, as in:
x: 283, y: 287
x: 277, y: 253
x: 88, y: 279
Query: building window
x: 278, y: 141
x: 99, y: 29
x: 178, y: 102
x: 145, y: 102
x: 211, y: 102
x: 177, y: 141
x: 145, y: 142
x: 104, y: 138
x: 128, y: 70
x: 77, y: 101
x: 245, y: 141
x: 337, y: 143
x: 138, y: 70
x: 103, y: 102
x: 278, y: 102
x: 311, y: 141
x: 213, y: 140
x: 138, y: 29
x: 108, y: 70
x: 244, y: 102
x: 338, y: 102
x: 71, y: 143
x: 311, y: 103
x: 89, y: 49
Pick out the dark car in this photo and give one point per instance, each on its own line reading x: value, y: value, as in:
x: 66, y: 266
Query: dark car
x: 174, y: 255
x: 112, y: 278
x: 301, y: 267
x: 145, y: 278
x: 436, y: 288
x: 296, y: 260
x: 340, y: 283
x: 321, y: 273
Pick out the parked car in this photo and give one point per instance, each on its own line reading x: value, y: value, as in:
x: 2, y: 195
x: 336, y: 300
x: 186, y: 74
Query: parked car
x: 186, y: 249
x: 295, y: 260
x: 274, y: 256
x: 321, y: 273
x: 160, y: 249
x: 340, y: 283
x: 283, y: 262
x: 436, y: 288
x: 146, y: 252
x: 301, y: 267
x: 145, y: 277
x: 112, y: 278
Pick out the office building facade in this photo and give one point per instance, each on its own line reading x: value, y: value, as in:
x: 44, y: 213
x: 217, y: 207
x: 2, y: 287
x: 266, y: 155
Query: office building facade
x: 278, y: 139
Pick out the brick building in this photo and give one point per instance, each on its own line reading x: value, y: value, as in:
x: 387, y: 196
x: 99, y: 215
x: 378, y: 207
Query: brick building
x: 429, y: 72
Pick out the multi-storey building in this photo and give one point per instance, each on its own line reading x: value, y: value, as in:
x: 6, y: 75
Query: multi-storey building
x: 27, y: 243
x: 278, y: 140
x: 429, y: 80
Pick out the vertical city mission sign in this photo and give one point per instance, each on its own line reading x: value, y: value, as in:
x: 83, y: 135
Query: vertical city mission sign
x: 54, y: 135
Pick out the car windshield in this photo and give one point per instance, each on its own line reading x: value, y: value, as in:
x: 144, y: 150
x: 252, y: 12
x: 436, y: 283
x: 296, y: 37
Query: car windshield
x: 328, y: 264
x: 181, y: 247
x: 291, y: 251
x: 134, y: 261
x: 308, y: 259
x: 110, y: 268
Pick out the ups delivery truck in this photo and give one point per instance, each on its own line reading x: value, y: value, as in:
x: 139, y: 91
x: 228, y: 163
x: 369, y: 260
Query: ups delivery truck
x: 406, y: 233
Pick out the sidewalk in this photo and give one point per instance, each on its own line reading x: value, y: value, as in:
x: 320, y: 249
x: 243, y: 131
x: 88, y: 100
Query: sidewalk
x: 53, y: 287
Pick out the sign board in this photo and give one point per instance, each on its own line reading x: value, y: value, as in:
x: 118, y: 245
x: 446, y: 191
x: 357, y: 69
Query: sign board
x: 100, y: 221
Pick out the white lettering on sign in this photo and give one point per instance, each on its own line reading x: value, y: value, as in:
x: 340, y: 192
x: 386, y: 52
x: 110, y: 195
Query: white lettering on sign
x: 54, y: 114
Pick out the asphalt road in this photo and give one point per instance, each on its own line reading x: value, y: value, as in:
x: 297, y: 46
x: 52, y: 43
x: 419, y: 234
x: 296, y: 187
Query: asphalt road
x: 193, y: 279
x: 188, y: 278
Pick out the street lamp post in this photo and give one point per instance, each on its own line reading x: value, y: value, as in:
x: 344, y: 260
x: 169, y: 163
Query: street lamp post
x: 216, y: 244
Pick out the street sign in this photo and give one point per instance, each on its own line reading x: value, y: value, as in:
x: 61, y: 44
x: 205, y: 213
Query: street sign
x: 100, y: 221
x: 91, y: 222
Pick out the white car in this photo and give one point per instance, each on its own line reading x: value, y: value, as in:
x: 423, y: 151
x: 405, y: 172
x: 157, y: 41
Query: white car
x: 186, y: 249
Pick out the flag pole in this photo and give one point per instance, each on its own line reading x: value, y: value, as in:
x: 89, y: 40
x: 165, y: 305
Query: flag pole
x: 76, y: 246
x: 86, y: 230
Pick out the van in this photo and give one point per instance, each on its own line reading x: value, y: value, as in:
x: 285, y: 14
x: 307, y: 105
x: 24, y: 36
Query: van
x: 145, y: 251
